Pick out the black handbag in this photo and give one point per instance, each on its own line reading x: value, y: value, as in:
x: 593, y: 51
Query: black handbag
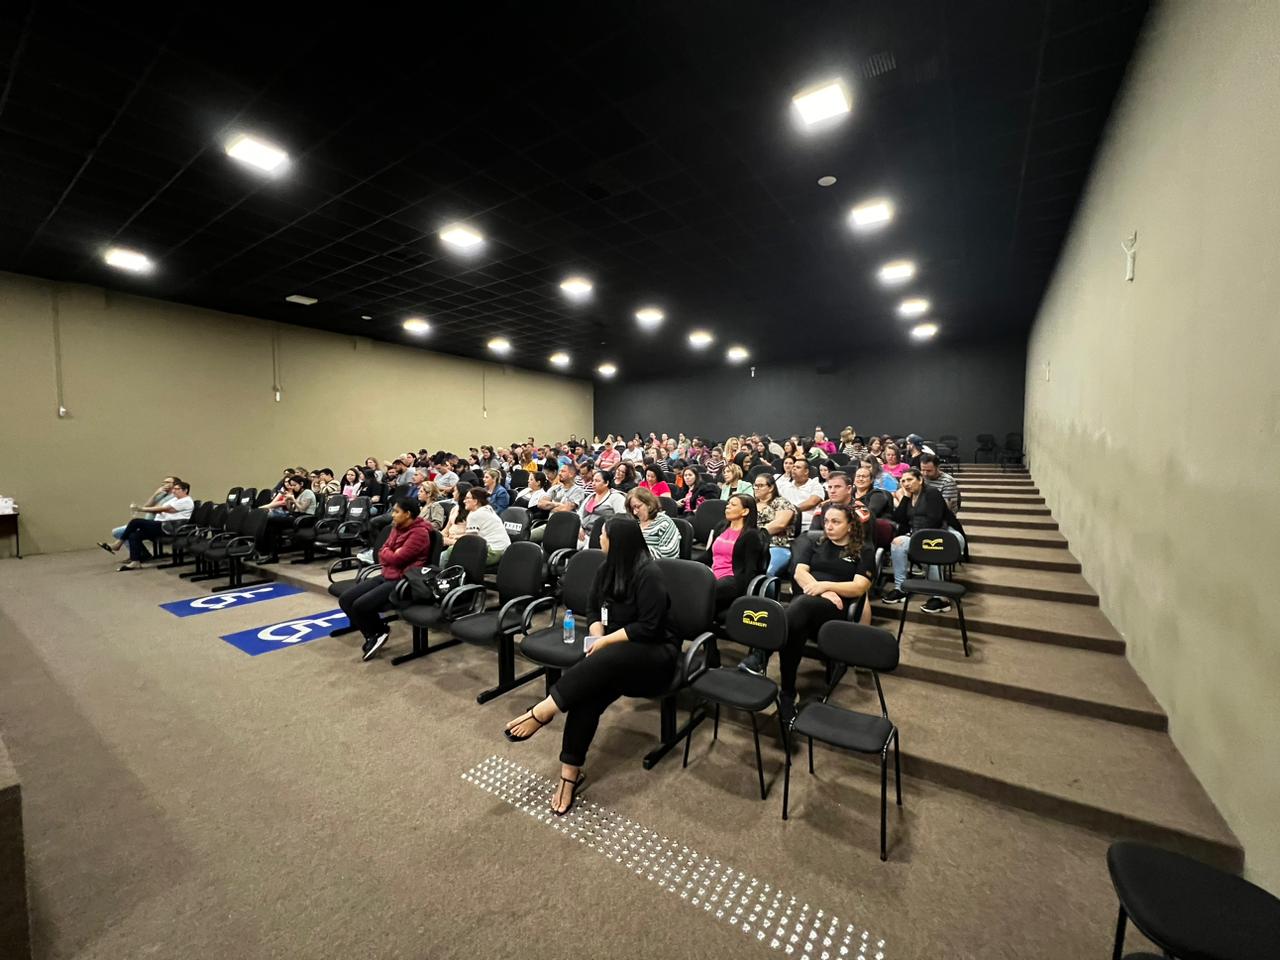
x: 431, y: 585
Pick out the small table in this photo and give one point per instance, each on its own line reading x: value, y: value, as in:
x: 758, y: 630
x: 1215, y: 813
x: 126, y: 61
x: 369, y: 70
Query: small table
x: 9, y: 524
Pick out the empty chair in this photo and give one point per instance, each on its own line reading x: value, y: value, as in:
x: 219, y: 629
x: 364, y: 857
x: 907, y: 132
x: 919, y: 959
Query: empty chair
x: 470, y: 553
x: 937, y: 548
x: 952, y: 444
x: 755, y: 622
x: 706, y: 518
x: 195, y: 541
x: 348, y: 532
x: 839, y: 459
x: 852, y: 645
x: 546, y: 646
x: 517, y: 522
x: 1012, y: 452
x: 986, y: 451
x: 248, y: 545
x: 248, y: 497
x: 233, y: 497
x: 560, y: 542
x: 306, y: 528
x: 265, y: 496
x: 669, y: 507
x: 686, y: 537
x: 519, y: 479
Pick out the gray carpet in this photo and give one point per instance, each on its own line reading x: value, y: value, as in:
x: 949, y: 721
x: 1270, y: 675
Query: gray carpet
x: 183, y: 799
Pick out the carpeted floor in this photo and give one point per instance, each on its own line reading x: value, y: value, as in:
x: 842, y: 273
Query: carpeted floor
x: 185, y: 800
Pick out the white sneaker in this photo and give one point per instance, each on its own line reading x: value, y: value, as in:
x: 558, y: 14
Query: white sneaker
x: 365, y: 556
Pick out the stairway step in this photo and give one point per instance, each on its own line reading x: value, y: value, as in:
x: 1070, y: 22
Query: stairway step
x: 1039, y: 621
x: 1001, y: 499
x: 1033, y: 558
x: 1028, y: 510
x: 1015, y: 537
x: 1117, y: 779
x: 1003, y: 483
x: 1007, y: 520
x: 970, y: 490
x: 1075, y: 681
x: 1025, y: 582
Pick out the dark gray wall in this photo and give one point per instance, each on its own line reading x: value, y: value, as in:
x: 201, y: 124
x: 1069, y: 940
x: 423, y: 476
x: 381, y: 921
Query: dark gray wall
x: 931, y: 390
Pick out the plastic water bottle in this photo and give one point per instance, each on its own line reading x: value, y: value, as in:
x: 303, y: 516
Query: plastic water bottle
x: 569, y: 635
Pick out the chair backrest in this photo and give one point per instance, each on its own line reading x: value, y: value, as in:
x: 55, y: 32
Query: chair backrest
x: 669, y: 507
x: 986, y: 441
x: 519, y: 479
x: 857, y: 645
x: 520, y: 571
x: 236, y: 519
x: 758, y: 469
x: 217, y: 519
x: 448, y: 506
x: 575, y: 585
x: 691, y: 587
x: 840, y: 459
x: 335, y: 506
x: 384, y: 531
x: 255, y: 525
x: 950, y: 439
x: 1013, y: 442
x: 686, y: 537
x: 201, y: 514
x: 707, y: 517
x: 357, y: 509
x: 471, y: 553
x: 265, y: 496
x: 233, y: 496
x: 561, y: 532
x: 933, y: 547
x: 516, y: 520
x: 248, y: 496
x: 757, y: 622
x: 593, y: 538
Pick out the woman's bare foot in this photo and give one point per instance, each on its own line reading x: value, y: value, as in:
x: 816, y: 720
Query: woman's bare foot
x: 531, y: 721
x: 571, y: 779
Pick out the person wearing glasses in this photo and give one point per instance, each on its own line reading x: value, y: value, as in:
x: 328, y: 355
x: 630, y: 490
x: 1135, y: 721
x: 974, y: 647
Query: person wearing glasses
x: 661, y: 534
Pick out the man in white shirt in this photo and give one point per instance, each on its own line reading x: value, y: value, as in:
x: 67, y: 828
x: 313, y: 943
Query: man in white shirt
x: 803, y: 492
x: 633, y: 455
x: 563, y: 497
x: 179, y: 508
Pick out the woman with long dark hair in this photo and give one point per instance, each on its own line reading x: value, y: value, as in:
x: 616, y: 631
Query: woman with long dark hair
x: 690, y: 500
x: 629, y: 653
x: 737, y: 549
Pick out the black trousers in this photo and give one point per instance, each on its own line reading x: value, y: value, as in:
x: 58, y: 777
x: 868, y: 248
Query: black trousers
x: 726, y: 593
x: 136, y: 532
x: 805, y: 615
x: 586, y: 689
x: 363, y: 602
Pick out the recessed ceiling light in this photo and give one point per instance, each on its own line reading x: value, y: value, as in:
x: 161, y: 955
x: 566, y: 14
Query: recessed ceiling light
x: 560, y: 359
x: 823, y: 102
x: 606, y: 369
x: 737, y: 354
x: 701, y: 338
x: 913, y: 307
x: 299, y: 298
x: 650, y: 317
x: 826, y: 181
x: 500, y: 345
x: 464, y: 238
x: 897, y: 271
x: 871, y: 214
x: 130, y: 260
x: 923, y: 331
x: 576, y: 287
x: 257, y: 153
x: 417, y: 325
x: 365, y: 316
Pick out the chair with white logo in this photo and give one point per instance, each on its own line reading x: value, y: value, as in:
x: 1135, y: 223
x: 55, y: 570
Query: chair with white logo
x: 517, y: 522
x: 936, y: 548
x: 759, y: 623
x: 306, y: 527
x: 348, y: 532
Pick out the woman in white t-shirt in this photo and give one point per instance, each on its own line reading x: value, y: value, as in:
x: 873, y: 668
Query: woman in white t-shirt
x: 481, y: 522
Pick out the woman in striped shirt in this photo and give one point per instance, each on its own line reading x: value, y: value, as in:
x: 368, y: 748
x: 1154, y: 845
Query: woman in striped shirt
x: 661, y: 534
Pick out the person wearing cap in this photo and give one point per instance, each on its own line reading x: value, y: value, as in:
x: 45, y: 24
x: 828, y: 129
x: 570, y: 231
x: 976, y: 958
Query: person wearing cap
x: 916, y: 447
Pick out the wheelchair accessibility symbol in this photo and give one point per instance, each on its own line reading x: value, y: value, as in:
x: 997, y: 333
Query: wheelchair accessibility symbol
x: 287, y: 633
x: 232, y: 598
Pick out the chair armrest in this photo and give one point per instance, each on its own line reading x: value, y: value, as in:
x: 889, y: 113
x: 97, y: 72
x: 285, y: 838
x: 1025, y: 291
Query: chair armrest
x: 533, y: 608
x: 688, y: 669
x: 351, y: 529
x: 516, y: 605
x: 327, y: 524
x: 171, y: 528
x: 761, y: 585
x: 558, y: 560
x: 222, y: 537
x: 469, y: 591
x: 341, y: 565
x: 303, y: 521
x: 241, y: 546
x: 370, y: 570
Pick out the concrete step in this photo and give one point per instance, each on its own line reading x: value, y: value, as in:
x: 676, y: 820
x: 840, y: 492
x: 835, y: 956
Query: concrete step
x: 968, y: 490
x: 1007, y: 520
x: 1030, y: 557
x: 1024, y: 582
x: 1003, y: 483
x: 969, y: 509
x: 1040, y: 621
x: 1016, y: 537
x: 1082, y: 682
x: 1000, y: 499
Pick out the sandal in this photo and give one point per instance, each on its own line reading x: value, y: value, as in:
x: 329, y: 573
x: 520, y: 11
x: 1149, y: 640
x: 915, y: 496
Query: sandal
x: 573, y: 794
x: 517, y: 738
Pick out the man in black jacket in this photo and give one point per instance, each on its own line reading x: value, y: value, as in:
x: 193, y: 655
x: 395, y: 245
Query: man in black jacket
x: 919, y: 507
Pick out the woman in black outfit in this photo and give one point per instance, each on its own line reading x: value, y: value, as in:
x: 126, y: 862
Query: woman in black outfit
x: 631, y: 654
x: 746, y: 553
x: 830, y: 573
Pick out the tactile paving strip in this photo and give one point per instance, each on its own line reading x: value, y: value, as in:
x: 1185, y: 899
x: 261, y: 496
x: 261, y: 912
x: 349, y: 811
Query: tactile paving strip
x: 757, y: 908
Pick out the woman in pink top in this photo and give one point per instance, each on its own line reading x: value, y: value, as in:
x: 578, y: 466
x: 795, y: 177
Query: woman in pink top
x: 892, y: 465
x: 654, y: 482
x: 737, y: 550
x: 822, y: 443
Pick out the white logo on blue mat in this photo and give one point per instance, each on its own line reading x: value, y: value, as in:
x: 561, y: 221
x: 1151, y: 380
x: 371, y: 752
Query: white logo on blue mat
x: 220, y: 600
x: 232, y: 598
x: 287, y: 633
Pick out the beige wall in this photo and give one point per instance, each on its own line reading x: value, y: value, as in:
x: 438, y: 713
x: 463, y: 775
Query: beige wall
x: 1160, y: 420
x: 155, y: 387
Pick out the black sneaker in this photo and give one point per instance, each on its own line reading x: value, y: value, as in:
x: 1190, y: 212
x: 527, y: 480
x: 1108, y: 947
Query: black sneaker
x: 754, y: 663
x: 936, y: 605
x: 894, y: 596
x: 373, y: 646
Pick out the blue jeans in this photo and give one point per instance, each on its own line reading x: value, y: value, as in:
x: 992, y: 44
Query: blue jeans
x: 898, y: 551
x: 117, y: 533
x: 779, y: 557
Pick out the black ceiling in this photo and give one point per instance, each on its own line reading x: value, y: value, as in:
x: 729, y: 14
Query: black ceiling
x: 646, y: 145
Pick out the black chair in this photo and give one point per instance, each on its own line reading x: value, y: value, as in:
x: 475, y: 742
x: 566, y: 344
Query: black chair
x: 470, y: 553
x: 519, y: 479
x: 706, y: 518
x: 546, y: 646
x: 939, y: 548
x: 233, y: 497
x: 518, y: 523
x: 952, y: 443
x: 1189, y: 909
x: 306, y: 528
x: 194, y: 536
x: 852, y: 645
x: 363, y: 570
x: 348, y: 532
x: 686, y: 537
x: 759, y: 469
x: 753, y: 622
x: 1012, y: 452
x: 560, y: 542
x: 520, y: 582
x: 248, y: 497
x: 247, y: 545
x: 986, y: 451
x: 180, y: 533
x: 669, y: 507
x: 210, y: 551
x: 265, y: 496
x: 840, y: 459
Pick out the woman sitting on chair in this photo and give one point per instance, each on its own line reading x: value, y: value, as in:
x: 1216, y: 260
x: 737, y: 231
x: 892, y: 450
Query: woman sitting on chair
x: 655, y: 482
x: 737, y: 550
x: 629, y: 654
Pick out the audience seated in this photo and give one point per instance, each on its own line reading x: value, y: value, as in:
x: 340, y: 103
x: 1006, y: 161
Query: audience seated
x: 323, y: 483
x: 499, y: 496
x: 804, y: 492
x: 163, y: 494
x: 732, y: 481
x: 603, y: 501
x: 351, y: 483
x: 654, y: 481
x: 893, y: 465
x: 918, y: 507
x: 178, y: 507
x: 624, y: 478
x: 691, y: 496
x: 429, y: 505
x: 777, y: 517
x: 481, y: 521
x: 737, y: 550
x: 660, y: 531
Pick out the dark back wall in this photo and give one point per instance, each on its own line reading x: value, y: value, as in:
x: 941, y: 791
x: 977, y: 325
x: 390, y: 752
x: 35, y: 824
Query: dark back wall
x: 933, y: 390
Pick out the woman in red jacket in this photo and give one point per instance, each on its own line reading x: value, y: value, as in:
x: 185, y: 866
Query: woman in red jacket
x: 408, y: 545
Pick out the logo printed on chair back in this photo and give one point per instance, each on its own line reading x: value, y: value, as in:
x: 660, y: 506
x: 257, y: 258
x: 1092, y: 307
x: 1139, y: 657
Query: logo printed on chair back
x: 513, y: 526
x: 287, y: 633
x: 755, y: 618
x: 232, y: 598
x: 934, y: 544
x: 355, y: 512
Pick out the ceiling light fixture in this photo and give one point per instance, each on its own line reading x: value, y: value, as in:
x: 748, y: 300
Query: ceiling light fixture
x: 606, y: 369
x: 130, y: 260
x: 650, y: 317
x: 923, y: 331
x: 826, y: 181
x: 701, y: 338
x: 896, y: 271
x: 823, y: 102
x: 576, y: 287
x: 265, y: 156
x: 737, y: 354
x: 500, y: 345
x: 365, y: 316
x: 871, y: 214
x: 462, y: 237
x: 299, y: 298
x: 560, y: 359
x: 417, y: 326
x: 913, y: 307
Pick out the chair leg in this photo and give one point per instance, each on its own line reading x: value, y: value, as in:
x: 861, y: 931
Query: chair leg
x: 964, y: 633
x: 786, y: 777
x: 897, y: 768
x: 688, y: 737
x: 755, y: 733
x: 903, y: 621
x: 884, y: 790
x: 1118, y: 952
x: 811, y: 755
x: 715, y: 729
